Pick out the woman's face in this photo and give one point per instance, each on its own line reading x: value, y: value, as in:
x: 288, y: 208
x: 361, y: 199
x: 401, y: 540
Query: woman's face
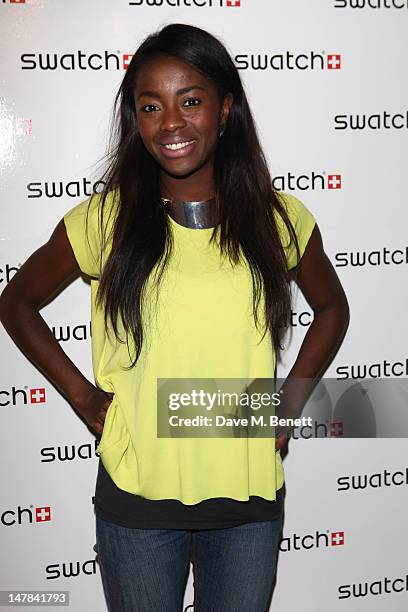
x: 179, y: 115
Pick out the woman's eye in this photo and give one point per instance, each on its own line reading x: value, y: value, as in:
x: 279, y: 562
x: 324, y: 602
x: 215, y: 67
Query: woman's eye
x: 148, y: 108
x: 192, y: 102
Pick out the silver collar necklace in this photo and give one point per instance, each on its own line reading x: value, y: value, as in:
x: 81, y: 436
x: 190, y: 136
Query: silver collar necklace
x: 195, y: 215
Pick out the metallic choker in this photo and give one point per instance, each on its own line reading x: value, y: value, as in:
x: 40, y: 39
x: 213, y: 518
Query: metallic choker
x: 195, y: 215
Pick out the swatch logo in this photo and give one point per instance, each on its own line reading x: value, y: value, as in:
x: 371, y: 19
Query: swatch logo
x: 70, y: 569
x: 13, y: 1
x: 381, y: 369
x: 304, y: 182
x: 377, y: 480
x: 289, y: 61
x: 77, y: 60
x: 319, y: 539
x: 38, y: 514
x: 61, y: 189
x: 326, y: 429
x: 15, y: 396
x: 371, y: 4
x: 374, y: 258
x: 188, y: 3
x: 381, y: 587
x: 68, y: 452
x: 376, y: 121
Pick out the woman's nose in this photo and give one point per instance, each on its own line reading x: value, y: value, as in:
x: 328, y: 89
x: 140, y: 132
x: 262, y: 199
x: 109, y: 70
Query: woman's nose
x: 172, y: 119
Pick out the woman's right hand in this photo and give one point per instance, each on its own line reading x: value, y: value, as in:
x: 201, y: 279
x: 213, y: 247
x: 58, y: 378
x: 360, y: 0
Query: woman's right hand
x: 93, y: 408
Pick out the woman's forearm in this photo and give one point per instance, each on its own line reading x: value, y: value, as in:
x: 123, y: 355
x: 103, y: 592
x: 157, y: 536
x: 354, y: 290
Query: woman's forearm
x: 32, y: 335
x: 316, y: 353
x: 321, y: 342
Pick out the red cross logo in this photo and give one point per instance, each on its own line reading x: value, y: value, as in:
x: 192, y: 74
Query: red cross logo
x: 43, y: 514
x: 126, y: 60
x: 336, y: 429
x: 334, y: 61
x: 337, y: 538
x: 334, y: 181
x: 37, y: 396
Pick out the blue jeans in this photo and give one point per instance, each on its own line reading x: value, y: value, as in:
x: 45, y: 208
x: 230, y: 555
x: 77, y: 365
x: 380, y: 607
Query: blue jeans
x: 146, y: 570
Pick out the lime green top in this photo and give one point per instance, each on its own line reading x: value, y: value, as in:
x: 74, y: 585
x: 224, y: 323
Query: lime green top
x: 201, y: 326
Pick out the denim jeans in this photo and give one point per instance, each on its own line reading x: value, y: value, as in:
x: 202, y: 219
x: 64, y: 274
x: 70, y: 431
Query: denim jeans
x: 146, y: 570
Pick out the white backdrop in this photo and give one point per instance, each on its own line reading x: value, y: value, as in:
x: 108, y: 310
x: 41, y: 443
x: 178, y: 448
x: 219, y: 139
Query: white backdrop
x: 326, y: 81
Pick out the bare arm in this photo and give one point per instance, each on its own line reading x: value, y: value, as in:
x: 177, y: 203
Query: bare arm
x: 324, y: 293
x: 48, y: 269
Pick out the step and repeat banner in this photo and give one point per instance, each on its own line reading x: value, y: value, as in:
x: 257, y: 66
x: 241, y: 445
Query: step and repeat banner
x: 326, y: 82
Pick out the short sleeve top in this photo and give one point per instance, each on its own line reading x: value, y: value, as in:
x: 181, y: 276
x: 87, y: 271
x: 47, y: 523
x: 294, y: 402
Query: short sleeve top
x: 199, y: 326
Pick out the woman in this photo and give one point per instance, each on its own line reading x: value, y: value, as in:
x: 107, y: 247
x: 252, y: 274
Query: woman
x: 190, y: 253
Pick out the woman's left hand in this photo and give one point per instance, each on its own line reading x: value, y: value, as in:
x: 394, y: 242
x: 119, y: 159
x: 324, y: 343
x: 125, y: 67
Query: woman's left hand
x: 280, y: 441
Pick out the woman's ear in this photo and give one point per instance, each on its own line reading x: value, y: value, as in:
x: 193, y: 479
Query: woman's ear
x: 225, y: 110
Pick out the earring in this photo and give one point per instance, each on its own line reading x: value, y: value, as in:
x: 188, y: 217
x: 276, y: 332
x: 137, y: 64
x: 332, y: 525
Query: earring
x: 222, y: 130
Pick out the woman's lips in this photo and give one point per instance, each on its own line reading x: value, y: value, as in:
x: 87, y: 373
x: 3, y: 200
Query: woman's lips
x: 179, y: 149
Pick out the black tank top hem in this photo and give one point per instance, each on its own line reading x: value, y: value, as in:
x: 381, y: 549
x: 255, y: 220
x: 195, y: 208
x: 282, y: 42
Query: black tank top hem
x: 114, y: 505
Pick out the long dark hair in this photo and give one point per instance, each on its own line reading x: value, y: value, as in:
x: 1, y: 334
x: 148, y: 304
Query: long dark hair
x: 141, y: 234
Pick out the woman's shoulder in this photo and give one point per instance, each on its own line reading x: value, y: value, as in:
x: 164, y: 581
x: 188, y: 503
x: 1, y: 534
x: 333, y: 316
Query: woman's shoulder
x: 89, y: 227
x: 293, y: 205
x: 93, y: 204
x: 302, y: 220
x: 298, y: 212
